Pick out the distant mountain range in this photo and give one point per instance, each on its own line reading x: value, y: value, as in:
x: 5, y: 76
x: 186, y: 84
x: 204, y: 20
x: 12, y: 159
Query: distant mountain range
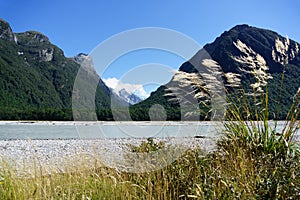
x: 37, y: 80
x: 130, y: 98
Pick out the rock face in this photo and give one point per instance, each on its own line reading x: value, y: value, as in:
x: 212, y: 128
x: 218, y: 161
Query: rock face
x: 85, y: 61
x: 39, y: 45
x: 32, y: 37
x: 46, y: 54
x: 6, y: 32
x: 131, y: 99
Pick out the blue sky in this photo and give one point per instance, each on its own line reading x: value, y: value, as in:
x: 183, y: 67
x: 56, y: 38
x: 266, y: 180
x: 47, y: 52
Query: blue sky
x: 79, y: 26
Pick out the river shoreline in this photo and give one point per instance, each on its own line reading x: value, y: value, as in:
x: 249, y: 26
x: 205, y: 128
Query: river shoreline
x: 55, y: 156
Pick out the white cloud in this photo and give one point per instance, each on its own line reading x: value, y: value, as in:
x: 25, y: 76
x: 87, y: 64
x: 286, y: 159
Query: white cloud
x: 111, y: 82
x: 117, y: 85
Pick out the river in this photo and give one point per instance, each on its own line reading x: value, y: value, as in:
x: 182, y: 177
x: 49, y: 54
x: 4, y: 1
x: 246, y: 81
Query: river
x: 89, y: 130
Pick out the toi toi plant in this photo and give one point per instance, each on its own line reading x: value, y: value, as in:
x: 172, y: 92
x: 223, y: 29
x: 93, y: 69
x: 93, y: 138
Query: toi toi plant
x: 253, y: 160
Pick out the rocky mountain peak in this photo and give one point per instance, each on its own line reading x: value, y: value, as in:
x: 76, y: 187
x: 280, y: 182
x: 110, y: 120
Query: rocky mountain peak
x: 260, y: 40
x: 130, y: 98
x: 85, y: 61
x: 240, y: 27
x: 31, y: 37
x: 82, y: 57
x: 6, y: 32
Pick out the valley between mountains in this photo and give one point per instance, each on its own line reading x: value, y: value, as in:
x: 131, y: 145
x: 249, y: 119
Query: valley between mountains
x: 36, y: 79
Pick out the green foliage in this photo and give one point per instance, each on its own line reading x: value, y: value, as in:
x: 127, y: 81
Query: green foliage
x: 36, y: 80
x: 147, y: 146
x: 140, y: 111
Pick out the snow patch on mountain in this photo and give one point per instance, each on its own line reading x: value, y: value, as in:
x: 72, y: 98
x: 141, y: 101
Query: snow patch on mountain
x: 131, y: 93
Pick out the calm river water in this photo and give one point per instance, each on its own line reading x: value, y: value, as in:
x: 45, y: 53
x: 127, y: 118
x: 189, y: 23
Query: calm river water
x: 88, y: 130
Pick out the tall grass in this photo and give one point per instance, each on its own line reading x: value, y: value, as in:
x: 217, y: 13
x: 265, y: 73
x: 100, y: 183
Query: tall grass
x: 253, y: 160
x: 101, y: 182
x: 83, y: 183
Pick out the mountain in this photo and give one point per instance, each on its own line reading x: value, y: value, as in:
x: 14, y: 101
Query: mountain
x: 223, y: 51
x: 130, y: 98
x: 36, y: 79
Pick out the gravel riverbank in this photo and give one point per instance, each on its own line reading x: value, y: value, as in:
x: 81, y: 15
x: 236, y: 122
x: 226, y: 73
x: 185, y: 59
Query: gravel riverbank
x: 48, y: 156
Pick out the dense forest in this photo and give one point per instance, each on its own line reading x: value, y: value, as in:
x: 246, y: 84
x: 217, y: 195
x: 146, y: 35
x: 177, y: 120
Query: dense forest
x: 36, y: 79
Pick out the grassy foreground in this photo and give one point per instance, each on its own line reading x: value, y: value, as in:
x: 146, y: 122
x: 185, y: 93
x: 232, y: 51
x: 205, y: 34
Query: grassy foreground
x: 236, y: 170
